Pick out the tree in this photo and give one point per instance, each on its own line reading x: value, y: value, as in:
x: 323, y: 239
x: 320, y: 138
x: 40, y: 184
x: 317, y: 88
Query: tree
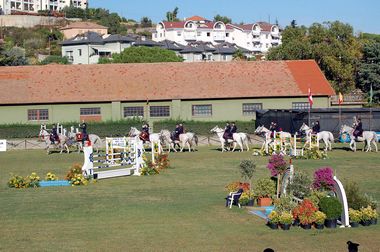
x: 73, y: 12
x: 143, y: 55
x: 369, y: 69
x: 12, y: 57
x: 238, y: 55
x: 146, y: 22
x: 293, y: 23
x: 332, y: 45
x: 171, y: 16
x: 223, y: 19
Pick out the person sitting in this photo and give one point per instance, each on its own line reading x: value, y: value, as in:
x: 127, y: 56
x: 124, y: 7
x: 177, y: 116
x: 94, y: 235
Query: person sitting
x: 84, y: 134
x: 272, y: 128
x: 181, y: 129
x: 144, y: 135
x: 358, y: 129
x: 175, y: 134
x: 316, y: 127
x: 233, y: 129
x: 54, y: 134
x: 227, y: 131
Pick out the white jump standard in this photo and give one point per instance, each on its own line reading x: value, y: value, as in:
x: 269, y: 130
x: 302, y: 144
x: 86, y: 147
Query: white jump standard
x: 132, y: 160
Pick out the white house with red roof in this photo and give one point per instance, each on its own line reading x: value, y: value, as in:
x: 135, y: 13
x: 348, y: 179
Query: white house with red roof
x: 257, y: 37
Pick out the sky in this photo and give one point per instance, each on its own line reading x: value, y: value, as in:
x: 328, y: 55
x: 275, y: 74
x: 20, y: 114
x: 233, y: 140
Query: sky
x: 363, y: 15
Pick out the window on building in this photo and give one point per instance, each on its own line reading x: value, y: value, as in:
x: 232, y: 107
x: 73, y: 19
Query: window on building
x: 209, y: 57
x: 300, y: 105
x: 90, y: 111
x: 250, y: 108
x: 80, y: 52
x: 266, y: 36
x: 199, y: 34
x: 134, y: 111
x: 38, y: 114
x: 202, y: 110
x: 178, y: 33
x: 227, y: 34
x: 208, y: 34
x: 69, y: 55
x: 224, y: 57
x: 159, y: 111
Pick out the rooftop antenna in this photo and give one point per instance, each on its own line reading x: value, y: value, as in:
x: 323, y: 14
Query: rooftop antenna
x: 269, y: 18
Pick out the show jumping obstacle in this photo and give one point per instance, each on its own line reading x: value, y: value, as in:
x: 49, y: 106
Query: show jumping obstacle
x: 130, y: 159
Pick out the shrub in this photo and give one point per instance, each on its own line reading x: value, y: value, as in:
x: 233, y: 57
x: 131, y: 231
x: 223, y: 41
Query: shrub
x: 355, y: 215
x: 314, y: 153
x: 319, y: 217
x: 286, y: 218
x: 247, y: 169
x: 300, y: 185
x: 264, y: 187
x: 277, y: 164
x: 367, y: 213
x: 284, y: 204
x: 161, y: 163
x: 30, y: 181
x: 305, y: 212
x: 274, y: 217
x: 331, y: 207
x: 316, y: 196
x: 323, y: 179
x: 355, y: 198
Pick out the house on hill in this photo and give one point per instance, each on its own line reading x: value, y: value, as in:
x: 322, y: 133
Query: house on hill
x: 195, y: 91
x: 76, y: 28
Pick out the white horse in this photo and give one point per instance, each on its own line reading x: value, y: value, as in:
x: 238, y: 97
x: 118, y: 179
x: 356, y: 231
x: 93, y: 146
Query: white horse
x: 326, y: 136
x: 184, y: 139
x: 61, y: 144
x: 154, y: 138
x: 285, y: 139
x: 95, y: 140
x: 237, y: 138
x: 368, y: 137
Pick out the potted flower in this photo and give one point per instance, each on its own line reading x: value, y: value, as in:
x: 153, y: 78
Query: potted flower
x: 247, y: 169
x: 273, y: 219
x: 319, y: 219
x: 374, y: 216
x: 305, y: 213
x: 263, y: 190
x: 323, y: 179
x: 244, y: 199
x: 366, y: 216
x: 286, y: 219
x: 277, y: 166
x: 355, y: 217
x: 332, y: 207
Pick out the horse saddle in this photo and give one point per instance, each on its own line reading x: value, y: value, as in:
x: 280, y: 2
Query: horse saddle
x: 78, y: 137
x: 144, y: 136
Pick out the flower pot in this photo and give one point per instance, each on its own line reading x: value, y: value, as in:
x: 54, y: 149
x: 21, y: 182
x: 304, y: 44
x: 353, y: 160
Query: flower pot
x: 319, y: 226
x: 285, y: 226
x: 354, y: 224
x: 330, y: 223
x: 366, y: 223
x: 250, y: 202
x: 373, y: 221
x: 272, y: 225
x: 296, y: 222
x: 306, y: 226
x: 264, y: 202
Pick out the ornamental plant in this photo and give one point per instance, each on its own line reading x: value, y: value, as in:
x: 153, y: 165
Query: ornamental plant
x: 33, y: 180
x: 367, y: 213
x: 274, y: 217
x: 16, y: 181
x: 284, y: 204
x: 264, y: 188
x: 247, y: 169
x: 300, y: 186
x: 161, y: 163
x: 78, y: 180
x: 319, y: 217
x: 305, y: 212
x: 51, y: 177
x: 355, y: 215
x: 277, y: 165
x: 75, y: 169
x: 323, y: 179
x: 331, y: 206
x: 286, y: 218
x: 234, y: 186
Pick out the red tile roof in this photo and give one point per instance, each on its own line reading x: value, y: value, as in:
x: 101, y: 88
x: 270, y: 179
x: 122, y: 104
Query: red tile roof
x: 196, y: 18
x: 265, y: 26
x: 160, y: 81
x: 169, y: 25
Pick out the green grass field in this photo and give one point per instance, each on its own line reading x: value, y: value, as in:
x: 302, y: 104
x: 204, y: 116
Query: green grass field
x: 181, y: 209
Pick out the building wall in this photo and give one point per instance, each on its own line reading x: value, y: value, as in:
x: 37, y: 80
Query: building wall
x: 23, y: 21
x: 230, y: 109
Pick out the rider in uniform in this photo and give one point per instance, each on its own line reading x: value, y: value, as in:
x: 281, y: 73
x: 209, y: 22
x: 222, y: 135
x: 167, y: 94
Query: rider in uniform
x: 358, y: 128
x: 316, y: 127
x: 272, y: 128
x: 233, y: 129
x: 54, y: 134
x: 83, y: 128
x: 227, y: 131
x: 145, y: 132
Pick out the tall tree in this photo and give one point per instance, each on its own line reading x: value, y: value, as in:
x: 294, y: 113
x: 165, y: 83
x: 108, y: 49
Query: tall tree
x: 171, y: 16
x: 223, y: 19
x: 369, y: 69
x: 146, y: 22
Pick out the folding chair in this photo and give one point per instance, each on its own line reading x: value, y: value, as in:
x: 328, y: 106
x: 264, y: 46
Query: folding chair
x: 233, y: 198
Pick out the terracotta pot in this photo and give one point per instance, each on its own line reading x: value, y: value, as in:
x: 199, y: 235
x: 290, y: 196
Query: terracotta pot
x: 264, y: 201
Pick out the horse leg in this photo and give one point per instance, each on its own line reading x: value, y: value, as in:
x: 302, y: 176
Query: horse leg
x: 247, y: 144
x: 67, y: 148
x: 189, y: 145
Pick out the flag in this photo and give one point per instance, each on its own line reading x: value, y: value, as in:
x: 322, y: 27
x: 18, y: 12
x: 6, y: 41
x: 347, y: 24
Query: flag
x: 310, y: 97
x: 340, y: 99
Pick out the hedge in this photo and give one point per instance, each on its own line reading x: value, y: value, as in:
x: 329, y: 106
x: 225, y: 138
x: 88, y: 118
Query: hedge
x: 120, y: 128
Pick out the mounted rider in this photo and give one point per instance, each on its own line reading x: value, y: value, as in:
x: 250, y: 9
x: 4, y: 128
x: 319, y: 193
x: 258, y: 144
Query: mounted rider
x: 227, y: 131
x: 54, y: 134
x: 316, y: 128
x: 358, y: 128
x: 233, y: 129
x: 84, y: 135
x: 144, y: 135
x: 272, y: 128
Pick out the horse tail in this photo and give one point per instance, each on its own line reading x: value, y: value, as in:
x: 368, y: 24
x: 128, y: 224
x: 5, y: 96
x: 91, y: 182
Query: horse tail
x: 196, y: 139
x: 375, y: 138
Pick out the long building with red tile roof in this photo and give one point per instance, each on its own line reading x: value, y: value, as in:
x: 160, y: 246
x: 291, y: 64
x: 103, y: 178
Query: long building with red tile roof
x: 171, y: 90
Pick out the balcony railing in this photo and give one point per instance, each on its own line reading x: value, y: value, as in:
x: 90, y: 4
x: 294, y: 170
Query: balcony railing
x: 348, y: 99
x: 219, y: 36
x: 190, y: 35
